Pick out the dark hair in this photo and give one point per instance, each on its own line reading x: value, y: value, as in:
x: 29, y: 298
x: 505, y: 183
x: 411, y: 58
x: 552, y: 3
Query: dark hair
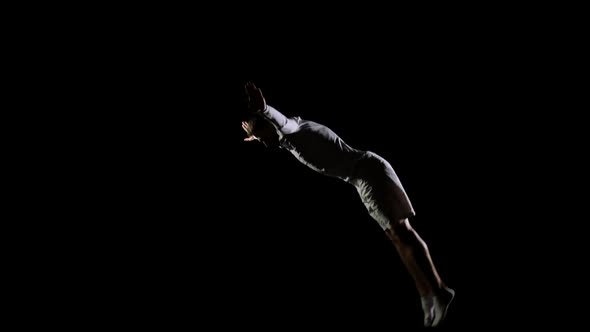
x: 258, y: 121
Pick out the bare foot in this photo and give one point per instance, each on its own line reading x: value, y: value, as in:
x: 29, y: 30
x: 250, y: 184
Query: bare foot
x: 428, y: 308
x: 435, y: 307
x: 441, y: 305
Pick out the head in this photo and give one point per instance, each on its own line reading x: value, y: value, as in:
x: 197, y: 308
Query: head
x: 260, y: 129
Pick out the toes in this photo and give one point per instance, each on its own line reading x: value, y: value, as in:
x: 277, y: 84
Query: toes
x: 428, y: 317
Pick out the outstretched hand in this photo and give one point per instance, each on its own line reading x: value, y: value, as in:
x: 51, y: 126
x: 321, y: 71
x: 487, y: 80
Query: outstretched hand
x: 248, y: 129
x: 256, y: 102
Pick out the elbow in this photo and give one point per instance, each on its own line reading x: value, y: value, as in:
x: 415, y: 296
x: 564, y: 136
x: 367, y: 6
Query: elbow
x: 290, y: 127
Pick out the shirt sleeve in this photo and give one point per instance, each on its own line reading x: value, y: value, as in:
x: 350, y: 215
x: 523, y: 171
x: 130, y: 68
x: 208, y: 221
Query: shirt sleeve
x: 283, y: 124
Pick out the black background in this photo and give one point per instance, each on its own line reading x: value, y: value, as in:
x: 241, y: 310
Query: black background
x: 170, y: 218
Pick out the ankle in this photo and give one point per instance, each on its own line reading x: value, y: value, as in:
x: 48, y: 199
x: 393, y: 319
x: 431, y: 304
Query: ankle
x: 444, y: 292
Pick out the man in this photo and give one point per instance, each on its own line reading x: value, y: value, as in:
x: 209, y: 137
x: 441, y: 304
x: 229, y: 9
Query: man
x: 380, y: 189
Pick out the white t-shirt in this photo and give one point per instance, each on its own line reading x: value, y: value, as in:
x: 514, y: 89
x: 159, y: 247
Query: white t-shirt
x: 315, y: 145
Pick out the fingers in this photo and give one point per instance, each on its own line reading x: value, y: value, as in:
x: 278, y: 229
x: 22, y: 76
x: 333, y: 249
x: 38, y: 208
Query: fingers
x: 253, y: 90
x: 246, y: 128
x: 255, y: 97
x: 250, y: 89
x: 248, y: 131
x: 250, y: 85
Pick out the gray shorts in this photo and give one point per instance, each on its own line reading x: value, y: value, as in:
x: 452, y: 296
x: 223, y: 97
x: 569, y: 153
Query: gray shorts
x: 381, y: 190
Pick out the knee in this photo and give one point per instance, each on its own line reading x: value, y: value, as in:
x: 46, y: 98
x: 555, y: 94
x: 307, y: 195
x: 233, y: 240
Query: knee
x: 400, y: 231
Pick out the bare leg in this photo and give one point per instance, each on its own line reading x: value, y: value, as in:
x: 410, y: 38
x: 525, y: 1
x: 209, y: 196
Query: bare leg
x: 415, y: 256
